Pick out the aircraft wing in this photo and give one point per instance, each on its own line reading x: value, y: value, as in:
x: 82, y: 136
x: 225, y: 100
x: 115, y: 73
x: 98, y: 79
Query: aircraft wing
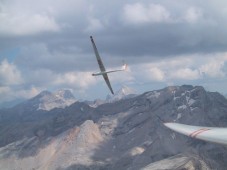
x: 101, y: 66
x: 210, y: 134
x: 108, y: 82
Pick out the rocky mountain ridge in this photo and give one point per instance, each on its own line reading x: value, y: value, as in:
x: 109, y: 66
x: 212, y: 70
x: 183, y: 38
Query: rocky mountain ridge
x: 126, y: 134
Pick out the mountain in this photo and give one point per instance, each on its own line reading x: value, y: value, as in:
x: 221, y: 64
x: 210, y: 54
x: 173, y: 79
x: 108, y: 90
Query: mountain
x: 40, y: 104
x: 10, y: 104
x: 59, y: 99
x: 179, y: 162
x: 126, y: 134
x: 47, y: 100
x: 124, y: 93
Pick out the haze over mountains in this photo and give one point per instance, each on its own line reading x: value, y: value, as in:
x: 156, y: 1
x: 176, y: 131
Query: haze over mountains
x: 55, y: 131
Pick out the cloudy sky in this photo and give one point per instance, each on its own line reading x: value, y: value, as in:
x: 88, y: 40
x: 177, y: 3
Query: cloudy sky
x: 45, y: 45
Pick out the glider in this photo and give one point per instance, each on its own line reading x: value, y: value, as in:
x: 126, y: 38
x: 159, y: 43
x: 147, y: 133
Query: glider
x: 210, y: 134
x: 103, y: 71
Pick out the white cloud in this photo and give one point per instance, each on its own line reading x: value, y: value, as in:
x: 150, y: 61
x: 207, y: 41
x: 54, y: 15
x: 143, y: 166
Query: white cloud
x: 9, y: 74
x: 156, y: 74
x: 169, y: 69
x: 184, y: 74
x: 4, y: 89
x: 193, y: 14
x: 28, y: 93
x: 26, y: 24
x: 140, y: 13
x: 79, y: 80
x: 8, y: 93
x: 214, y: 66
x: 4, y: 93
x: 182, y: 68
x: 94, y: 25
x: 193, y: 67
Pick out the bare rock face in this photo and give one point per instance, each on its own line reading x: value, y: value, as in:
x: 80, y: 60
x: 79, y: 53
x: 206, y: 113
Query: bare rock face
x: 59, y: 99
x: 179, y: 162
x: 89, y: 134
x: 71, y: 147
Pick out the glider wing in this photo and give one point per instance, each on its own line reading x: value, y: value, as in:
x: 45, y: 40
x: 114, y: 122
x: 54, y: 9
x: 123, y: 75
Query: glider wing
x: 210, y: 134
x: 101, y: 66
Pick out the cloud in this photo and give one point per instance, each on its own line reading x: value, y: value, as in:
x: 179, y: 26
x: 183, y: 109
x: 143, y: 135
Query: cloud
x: 9, y: 74
x: 214, y: 66
x: 8, y: 93
x: 4, y: 89
x: 193, y: 14
x: 79, y: 80
x: 163, y: 43
x: 185, y: 74
x: 39, y: 56
x: 26, y: 24
x: 94, y: 25
x: 154, y: 73
x: 28, y: 93
x: 5, y: 93
x: 138, y: 13
x: 183, y: 68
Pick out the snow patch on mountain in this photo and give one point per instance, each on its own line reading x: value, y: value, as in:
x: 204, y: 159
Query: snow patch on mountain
x: 153, y: 94
x: 182, y: 107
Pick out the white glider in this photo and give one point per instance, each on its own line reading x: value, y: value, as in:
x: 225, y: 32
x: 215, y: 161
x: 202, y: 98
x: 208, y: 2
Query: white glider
x: 102, y: 68
x: 210, y: 134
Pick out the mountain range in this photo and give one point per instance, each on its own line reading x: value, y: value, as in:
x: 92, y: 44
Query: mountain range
x: 46, y: 132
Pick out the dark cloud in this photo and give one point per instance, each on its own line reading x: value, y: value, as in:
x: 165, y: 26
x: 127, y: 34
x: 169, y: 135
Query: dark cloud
x: 120, y: 38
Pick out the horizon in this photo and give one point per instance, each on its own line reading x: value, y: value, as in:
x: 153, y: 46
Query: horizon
x: 18, y: 101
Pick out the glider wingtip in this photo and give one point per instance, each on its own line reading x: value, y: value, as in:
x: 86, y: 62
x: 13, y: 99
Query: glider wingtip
x: 168, y: 124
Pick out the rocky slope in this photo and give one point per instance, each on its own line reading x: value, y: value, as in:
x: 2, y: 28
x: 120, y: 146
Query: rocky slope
x: 70, y: 147
x: 179, y: 162
x: 126, y: 134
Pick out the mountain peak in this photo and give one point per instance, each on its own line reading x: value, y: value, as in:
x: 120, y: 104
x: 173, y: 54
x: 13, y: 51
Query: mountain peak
x: 123, y: 93
x: 66, y: 94
x: 43, y: 93
x: 47, y: 100
x: 126, y: 91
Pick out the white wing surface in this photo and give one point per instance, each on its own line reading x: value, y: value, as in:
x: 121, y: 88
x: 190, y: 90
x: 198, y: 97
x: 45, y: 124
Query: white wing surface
x: 210, y: 134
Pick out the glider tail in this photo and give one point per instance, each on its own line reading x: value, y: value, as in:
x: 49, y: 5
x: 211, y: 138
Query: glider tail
x: 124, y: 67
